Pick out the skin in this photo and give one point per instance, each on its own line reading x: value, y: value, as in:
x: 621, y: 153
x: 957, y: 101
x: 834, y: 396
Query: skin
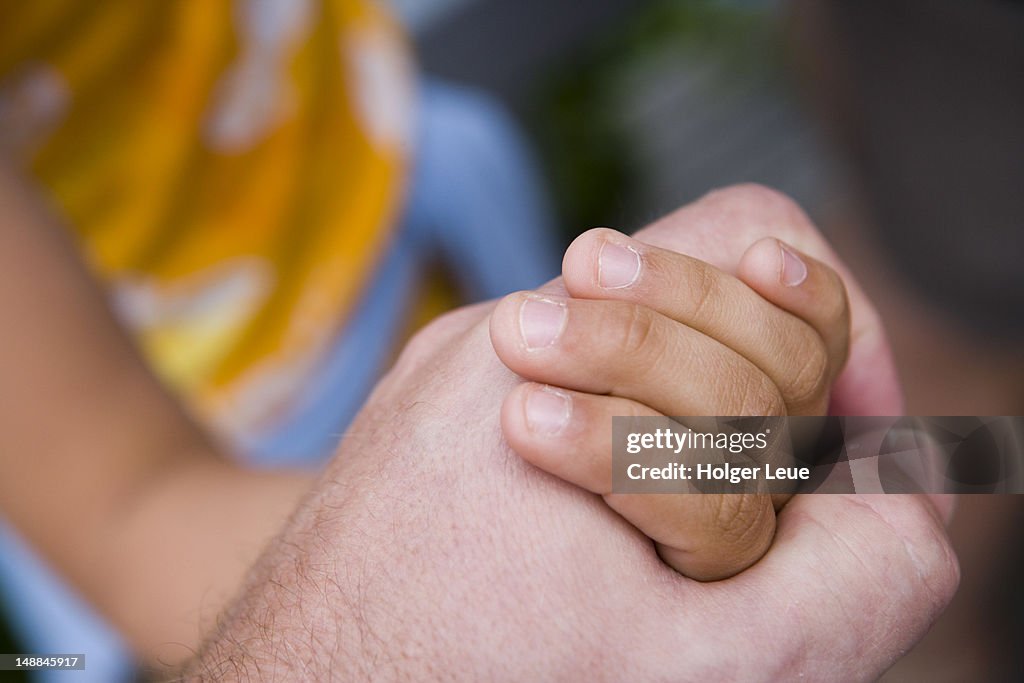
x: 429, y: 550
x: 100, y: 468
x: 679, y: 338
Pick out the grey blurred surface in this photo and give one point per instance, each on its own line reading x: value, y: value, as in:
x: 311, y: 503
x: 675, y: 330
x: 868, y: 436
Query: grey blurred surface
x: 686, y: 119
x: 506, y: 46
x: 932, y: 100
x: 697, y: 125
x: 932, y: 105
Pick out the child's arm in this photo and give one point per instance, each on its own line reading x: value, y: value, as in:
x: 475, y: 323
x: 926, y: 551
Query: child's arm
x: 651, y: 332
x: 100, y: 469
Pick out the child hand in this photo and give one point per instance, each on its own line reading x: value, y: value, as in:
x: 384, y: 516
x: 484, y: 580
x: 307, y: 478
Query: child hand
x: 648, y: 332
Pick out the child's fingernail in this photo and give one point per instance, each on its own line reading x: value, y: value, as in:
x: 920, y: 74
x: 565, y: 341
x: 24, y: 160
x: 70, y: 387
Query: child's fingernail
x: 547, y: 411
x: 617, y: 266
x: 794, y: 271
x: 541, y: 322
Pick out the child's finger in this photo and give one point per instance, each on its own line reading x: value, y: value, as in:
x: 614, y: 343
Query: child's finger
x: 704, y: 536
x: 721, y: 225
x: 567, y: 433
x: 615, y: 347
x: 605, y: 264
x: 805, y: 287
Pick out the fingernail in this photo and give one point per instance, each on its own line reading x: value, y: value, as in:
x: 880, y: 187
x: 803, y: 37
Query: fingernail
x: 793, y: 269
x: 547, y: 411
x: 617, y: 266
x: 541, y: 322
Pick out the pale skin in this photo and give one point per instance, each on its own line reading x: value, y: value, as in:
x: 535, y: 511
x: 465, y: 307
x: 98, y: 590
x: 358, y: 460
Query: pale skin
x: 667, y: 334
x: 428, y: 550
x: 157, y: 527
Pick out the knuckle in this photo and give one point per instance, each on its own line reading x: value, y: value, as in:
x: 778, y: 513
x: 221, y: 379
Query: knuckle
x: 913, y: 533
x: 946, y: 575
x: 704, y: 290
x: 767, y: 206
x: 836, y: 308
x: 761, y: 196
x: 739, y: 519
x: 429, y: 336
x: 419, y: 347
x: 753, y: 191
x: 928, y: 554
x: 638, y: 337
x: 432, y: 337
x: 773, y: 201
x: 835, y: 305
x: 758, y: 396
x: 932, y: 552
x: 810, y: 380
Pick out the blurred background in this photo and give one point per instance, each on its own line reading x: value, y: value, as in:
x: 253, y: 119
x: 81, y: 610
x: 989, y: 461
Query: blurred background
x: 636, y: 107
x: 898, y: 126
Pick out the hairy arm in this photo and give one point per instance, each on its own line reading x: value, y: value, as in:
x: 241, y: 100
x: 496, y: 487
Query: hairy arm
x: 429, y: 551
x: 100, y: 468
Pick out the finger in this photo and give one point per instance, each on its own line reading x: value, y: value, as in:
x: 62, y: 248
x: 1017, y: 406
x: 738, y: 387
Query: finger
x: 606, y: 264
x: 871, y: 573
x: 705, y: 536
x: 721, y: 225
x: 567, y: 433
x: 804, y: 287
x: 613, y: 347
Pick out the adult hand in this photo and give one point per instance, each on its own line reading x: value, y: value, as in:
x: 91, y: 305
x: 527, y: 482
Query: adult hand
x: 429, y: 550
x: 718, y: 228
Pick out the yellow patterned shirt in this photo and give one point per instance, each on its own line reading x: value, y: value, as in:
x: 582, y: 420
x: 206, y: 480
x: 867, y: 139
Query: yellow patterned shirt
x: 230, y: 169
